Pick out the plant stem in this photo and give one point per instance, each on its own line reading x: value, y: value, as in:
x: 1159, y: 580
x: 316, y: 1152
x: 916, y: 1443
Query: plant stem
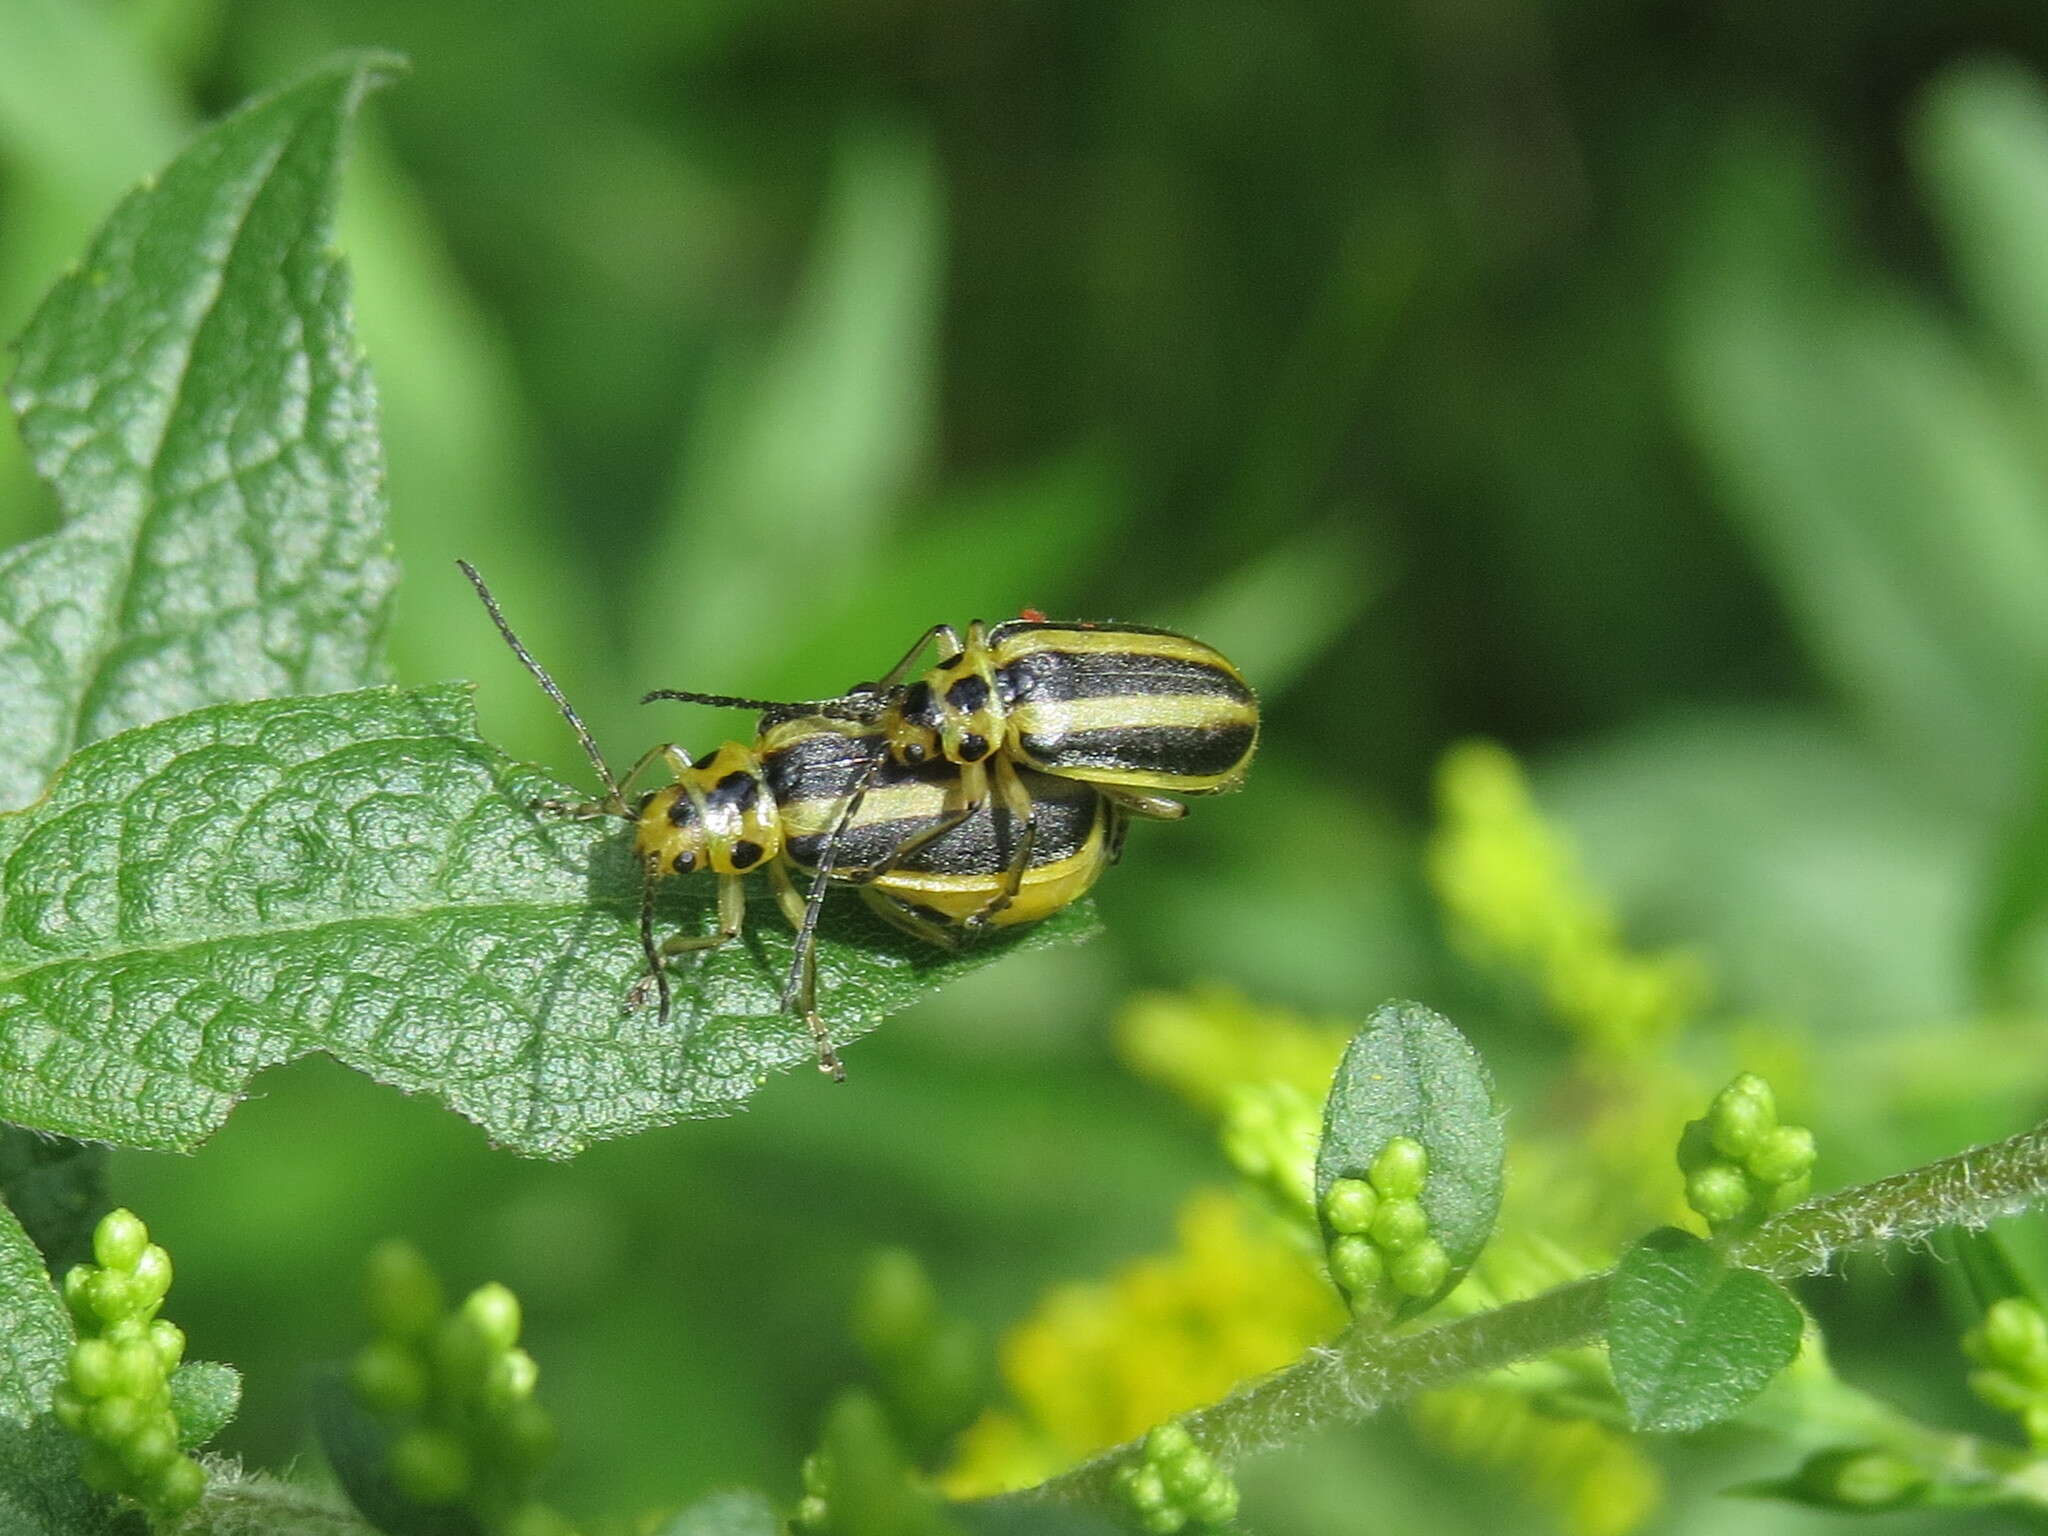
x: 1363, y: 1371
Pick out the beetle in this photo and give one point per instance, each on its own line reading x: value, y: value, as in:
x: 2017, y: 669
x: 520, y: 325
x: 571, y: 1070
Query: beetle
x: 1139, y: 714
x: 824, y: 796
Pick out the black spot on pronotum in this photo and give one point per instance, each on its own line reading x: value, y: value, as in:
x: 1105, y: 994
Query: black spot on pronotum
x: 968, y: 694
x: 746, y: 854
x: 681, y: 811
x: 736, y: 792
x: 973, y: 747
x: 917, y: 705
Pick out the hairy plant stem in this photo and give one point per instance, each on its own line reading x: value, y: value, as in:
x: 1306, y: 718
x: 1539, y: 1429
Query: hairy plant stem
x: 1364, y: 1370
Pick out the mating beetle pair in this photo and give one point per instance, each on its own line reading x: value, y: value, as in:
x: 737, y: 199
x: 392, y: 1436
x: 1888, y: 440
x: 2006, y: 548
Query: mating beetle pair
x: 991, y: 791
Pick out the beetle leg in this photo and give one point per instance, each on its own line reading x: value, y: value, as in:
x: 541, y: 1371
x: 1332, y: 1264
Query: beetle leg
x: 732, y: 917
x: 966, y: 795
x: 1138, y: 803
x: 614, y: 804
x: 1022, y: 812
x: 899, y: 913
x: 800, y: 991
x: 893, y: 678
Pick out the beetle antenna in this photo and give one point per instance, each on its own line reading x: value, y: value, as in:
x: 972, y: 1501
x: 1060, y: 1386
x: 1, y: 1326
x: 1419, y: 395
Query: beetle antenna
x: 841, y: 708
x: 548, y: 686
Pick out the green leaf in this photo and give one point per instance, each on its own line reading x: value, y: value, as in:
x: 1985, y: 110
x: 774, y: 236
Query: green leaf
x: 1691, y: 1338
x: 726, y: 1514
x: 57, y: 1189
x: 194, y: 396
x: 204, y: 1396
x: 41, y: 1491
x: 35, y: 1334
x: 1410, y: 1073
x: 357, y: 873
x: 1046, y: 1519
x: 1980, y: 145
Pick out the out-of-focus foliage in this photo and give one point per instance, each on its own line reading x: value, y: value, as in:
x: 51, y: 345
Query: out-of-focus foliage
x: 1658, y: 392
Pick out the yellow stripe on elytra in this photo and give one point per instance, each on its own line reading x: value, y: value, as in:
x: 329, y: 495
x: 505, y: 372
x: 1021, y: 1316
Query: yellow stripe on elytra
x: 1113, y: 642
x: 816, y: 814
x: 1129, y: 711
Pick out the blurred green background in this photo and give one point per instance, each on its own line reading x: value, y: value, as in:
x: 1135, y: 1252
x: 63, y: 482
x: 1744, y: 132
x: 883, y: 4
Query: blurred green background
x: 1659, y: 390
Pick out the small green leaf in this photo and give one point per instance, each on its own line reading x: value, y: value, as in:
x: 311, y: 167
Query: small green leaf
x: 194, y: 395
x: 1410, y: 1073
x: 205, y: 1396
x: 1691, y: 1338
x: 57, y: 1189
x: 726, y: 1514
x: 35, y: 1333
x: 200, y: 899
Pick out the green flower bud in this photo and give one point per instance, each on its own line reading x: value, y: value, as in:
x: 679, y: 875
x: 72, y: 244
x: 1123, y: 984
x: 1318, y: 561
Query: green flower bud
x: 1169, y: 1442
x: 2002, y: 1391
x: 2015, y: 1333
x: 895, y: 1306
x: 812, y: 1512
x: 1216, y: 1504
x: 402, y: 1292
x: 389, y: 1377
x: 1782, y: 1155
x: 1162, y: 1522
x: 113, y: 1419
x: 526, y: 1433
x: 1718, y: 1192
x: 137, y: 1371
x: 1782, y: 1197
x: 113, y: 1294
x: 493, y: 1311
x: 512, y: 1379
x: 1421, y: 1271
x: 1695, y: 1147
x: 78, y: 1294
x: 1187, y: 1476
x: 429, y: 1467
x: 1741, y: 1115
x: 816, y: 1474
x: 1862, y: 1479
x: 176, y: 1488
x: 1356, y: 1265
x: 168, y: 1340
x: 152, y: 1274
x: 1399, y: 1170
x: 1143, y: 1487
x: 1350, y: 1206
x: 151, y: 1448
x: 118, y: 1241
x: 95, y: 1367
x: 1399, y: 1225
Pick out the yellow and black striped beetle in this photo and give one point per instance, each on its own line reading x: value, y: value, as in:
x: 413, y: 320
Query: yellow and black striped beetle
x: 825, y: 796
x: 1138, y: 714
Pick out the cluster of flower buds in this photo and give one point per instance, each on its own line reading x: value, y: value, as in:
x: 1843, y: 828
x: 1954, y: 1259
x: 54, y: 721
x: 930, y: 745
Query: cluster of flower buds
x: 932, y: 1368
x: 1739, y: 1162
x: 1177, y: 1485
x: 1270, y: 1132
x: 1382, y: 1251
x: 2010, y: 1348
x: 456, y: 1391
x: 117, y: 1397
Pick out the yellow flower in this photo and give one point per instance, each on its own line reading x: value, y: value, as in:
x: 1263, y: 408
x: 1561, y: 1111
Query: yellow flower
x: 1101, y: 1362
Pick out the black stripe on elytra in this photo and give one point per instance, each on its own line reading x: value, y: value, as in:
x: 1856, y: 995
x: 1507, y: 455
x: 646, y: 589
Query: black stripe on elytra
x: 824, y: 765
x: 981, y: 845
x: 1171, y: 751
x: 1061, y: 677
